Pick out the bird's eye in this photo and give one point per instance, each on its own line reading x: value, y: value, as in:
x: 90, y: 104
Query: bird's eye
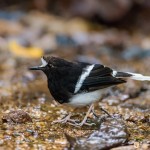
x: 50, y: 65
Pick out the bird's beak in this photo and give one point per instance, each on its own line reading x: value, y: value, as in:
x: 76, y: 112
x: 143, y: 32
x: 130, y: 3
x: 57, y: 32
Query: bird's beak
x: 44, y: 63
x: 36, y: 68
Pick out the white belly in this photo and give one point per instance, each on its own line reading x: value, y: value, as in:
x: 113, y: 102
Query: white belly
x: 83, y: 99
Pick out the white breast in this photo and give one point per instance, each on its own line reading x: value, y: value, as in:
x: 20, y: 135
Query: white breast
x: 84, y: 99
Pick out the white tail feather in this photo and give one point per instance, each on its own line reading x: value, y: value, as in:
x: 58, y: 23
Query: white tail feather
x: 140, y: 77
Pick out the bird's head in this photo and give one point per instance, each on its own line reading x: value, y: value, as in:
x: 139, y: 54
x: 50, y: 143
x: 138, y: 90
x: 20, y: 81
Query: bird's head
x: 47, y: 64
x: 50, y: 63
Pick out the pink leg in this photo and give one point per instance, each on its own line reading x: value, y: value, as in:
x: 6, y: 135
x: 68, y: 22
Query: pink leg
x: 85, y: 118
x: 64, y: 120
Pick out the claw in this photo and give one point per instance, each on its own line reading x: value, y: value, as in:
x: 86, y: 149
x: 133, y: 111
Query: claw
x: 85, y: 119
x: 64, y: 120
x: 83, y: 122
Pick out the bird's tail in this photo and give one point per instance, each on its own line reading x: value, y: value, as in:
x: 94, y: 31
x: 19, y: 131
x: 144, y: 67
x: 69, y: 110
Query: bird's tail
x: 134, y: 76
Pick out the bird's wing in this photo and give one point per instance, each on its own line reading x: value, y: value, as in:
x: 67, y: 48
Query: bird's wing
x: 100, y: 77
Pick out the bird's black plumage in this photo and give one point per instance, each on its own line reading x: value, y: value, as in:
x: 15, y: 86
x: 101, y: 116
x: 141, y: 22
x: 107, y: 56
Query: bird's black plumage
x: 99, y: 78
x: 63, y: 75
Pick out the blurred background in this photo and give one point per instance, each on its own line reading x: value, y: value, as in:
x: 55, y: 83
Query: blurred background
x: 112, y: 32
x: 32, y: 28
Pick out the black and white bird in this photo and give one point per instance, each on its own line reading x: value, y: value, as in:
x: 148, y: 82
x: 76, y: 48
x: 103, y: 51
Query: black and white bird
x: 80, y: 84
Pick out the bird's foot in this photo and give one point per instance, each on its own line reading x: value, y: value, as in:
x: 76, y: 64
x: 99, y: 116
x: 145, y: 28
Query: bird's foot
x: 65, y: 120
x: 85, y: 119
x: 75, y: 122
x: 81, y: 124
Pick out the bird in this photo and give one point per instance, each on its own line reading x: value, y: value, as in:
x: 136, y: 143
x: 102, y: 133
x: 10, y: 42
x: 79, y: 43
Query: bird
x: 80, y: 84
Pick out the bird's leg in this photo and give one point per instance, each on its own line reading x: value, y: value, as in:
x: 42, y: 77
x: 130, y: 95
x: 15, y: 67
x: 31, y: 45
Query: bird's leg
x: 65, y: 120
x: 93, y: 112
x: 106, y: 112
x: 85, y: 118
